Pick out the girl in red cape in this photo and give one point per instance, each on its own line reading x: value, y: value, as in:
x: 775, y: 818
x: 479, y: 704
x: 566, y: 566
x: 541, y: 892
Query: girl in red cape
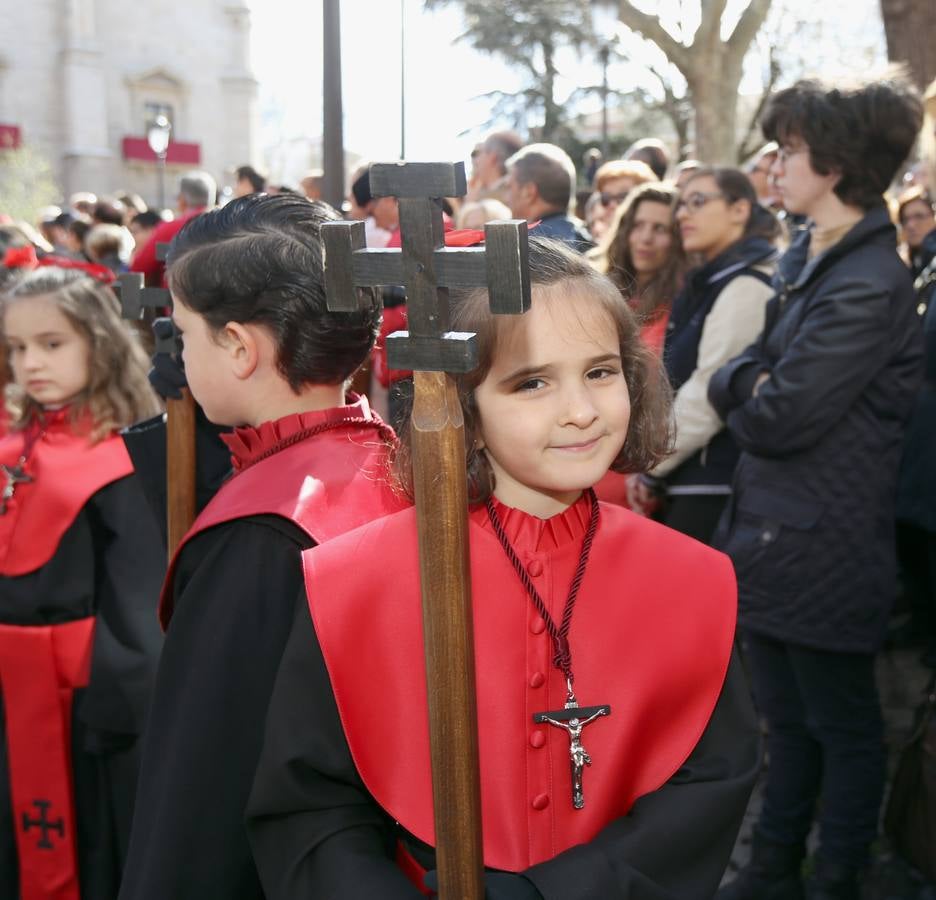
x: 80, y: 571
x: 618, y: 746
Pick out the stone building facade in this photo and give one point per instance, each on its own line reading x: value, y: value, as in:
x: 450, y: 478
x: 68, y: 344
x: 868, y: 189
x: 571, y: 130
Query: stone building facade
x: 80, y: 80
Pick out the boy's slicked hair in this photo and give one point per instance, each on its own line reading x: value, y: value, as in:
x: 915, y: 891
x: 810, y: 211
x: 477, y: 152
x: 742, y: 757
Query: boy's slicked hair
x: 554, y: 268
x: 260, y: 259
x: 864, y: 132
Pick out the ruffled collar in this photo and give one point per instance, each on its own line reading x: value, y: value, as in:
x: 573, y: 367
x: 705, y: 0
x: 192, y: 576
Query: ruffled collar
x: 53, y: 419
x: 63, y: 420
x: 249, y: 444
x: 534, y: 535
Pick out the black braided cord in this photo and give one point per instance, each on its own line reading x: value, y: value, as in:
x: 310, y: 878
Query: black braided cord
x: 562, y: 658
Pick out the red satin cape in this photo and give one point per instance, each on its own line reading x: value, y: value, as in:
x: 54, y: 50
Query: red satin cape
x: 66, y: 471
x: 40, y: 667
x: 651, y: 636
x: 325, y: 484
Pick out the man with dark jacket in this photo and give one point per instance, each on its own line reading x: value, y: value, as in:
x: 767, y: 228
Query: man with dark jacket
x: 540, y: 184
x: 819, y: 406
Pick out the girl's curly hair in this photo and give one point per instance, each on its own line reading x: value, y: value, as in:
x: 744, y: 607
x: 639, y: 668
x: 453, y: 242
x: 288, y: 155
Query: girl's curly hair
x: 118, y: 392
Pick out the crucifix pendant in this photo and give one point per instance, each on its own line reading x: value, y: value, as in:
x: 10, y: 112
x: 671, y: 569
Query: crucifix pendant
x: 573, y: 718
x: 14, y: 475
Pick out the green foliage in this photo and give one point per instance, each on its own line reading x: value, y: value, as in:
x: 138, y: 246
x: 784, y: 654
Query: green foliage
x: 527, y: 36
x: 26, y: 183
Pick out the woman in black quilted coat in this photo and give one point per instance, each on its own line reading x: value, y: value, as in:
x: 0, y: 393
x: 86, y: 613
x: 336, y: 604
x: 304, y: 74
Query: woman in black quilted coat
x: 819, y: 406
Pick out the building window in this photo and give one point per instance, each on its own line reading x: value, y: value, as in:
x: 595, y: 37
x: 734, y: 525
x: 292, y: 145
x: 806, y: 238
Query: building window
x: 152, y: 110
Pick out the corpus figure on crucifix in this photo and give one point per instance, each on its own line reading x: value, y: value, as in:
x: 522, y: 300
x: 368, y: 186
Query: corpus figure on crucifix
x: 365, y: 786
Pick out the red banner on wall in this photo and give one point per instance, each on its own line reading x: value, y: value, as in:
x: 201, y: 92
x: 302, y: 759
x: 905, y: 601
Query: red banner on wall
x: 178, y: 152
x: 10, y: 137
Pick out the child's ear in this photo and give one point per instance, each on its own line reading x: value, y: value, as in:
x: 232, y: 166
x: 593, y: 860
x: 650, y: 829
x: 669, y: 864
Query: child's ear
x: 241, y: 344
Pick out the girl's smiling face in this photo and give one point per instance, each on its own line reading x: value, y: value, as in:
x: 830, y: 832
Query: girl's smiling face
x: 554, y: 407
x: 47, y: 354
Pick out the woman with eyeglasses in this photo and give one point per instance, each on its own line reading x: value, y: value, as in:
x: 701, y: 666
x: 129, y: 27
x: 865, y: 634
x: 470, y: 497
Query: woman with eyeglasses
x: 917, y: 227
x: 719, y: 311
x: 819, y: 404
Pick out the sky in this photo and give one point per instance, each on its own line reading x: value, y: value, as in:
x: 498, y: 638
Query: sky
x: 445, y: 79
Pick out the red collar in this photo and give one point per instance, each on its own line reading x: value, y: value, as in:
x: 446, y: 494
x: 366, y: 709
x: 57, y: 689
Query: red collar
x: 324, y: 471
x: 249, y: 444
x: 66, y: 469
x: 527, y: 532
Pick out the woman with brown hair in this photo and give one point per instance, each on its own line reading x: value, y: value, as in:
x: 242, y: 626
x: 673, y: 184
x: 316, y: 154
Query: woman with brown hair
x: 643, y: 256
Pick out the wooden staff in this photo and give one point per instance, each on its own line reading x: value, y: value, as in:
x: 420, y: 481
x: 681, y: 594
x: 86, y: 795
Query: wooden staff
x: 180, y: 413
x: 427, y: 268
x: 180, y: 468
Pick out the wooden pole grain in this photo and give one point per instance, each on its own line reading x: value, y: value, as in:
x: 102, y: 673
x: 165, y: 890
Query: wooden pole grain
x: 438, y: 436
x: 180, y: 468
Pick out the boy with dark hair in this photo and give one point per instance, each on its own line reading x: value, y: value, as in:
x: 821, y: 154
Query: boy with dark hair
x: 263, y: 354
x: 819, y: 405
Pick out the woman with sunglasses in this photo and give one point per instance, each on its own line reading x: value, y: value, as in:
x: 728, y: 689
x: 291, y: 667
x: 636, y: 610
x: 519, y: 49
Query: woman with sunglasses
x: 719, y: 311
x: 613, y: 182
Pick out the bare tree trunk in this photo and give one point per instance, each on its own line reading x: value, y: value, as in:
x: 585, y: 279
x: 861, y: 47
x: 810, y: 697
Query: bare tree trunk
x: 715, y: 99
x: 910, y: 28
x: 551, y: 112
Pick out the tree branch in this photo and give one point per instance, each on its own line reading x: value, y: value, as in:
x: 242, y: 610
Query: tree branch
x: 748, y: 26
x: 649, y: 27
x: 746, y: 148
x: 710, y: 21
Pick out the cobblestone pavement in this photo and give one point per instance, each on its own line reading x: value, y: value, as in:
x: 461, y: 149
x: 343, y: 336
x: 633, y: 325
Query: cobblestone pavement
x: 902, y: 679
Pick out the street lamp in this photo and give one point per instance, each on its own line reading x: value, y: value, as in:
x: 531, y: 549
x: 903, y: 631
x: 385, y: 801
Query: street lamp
x: 157, y: 136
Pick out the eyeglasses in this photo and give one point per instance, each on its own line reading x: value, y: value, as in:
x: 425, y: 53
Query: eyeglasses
x: 916, y: 217
x: 694, y: 202
x: 608, y: 198
x: 784, y: 153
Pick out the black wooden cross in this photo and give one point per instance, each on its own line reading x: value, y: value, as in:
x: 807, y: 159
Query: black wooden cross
x: 427, y: 269
x: 135, y: 297
x: 180, y: 413
x: 44, y: 824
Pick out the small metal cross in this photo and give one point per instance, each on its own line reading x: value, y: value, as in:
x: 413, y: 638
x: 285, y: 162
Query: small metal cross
x: 14, y: 475
x: 573, y: 718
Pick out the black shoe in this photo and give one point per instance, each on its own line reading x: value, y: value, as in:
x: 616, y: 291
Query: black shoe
x: 833, y: 881
x: 772, y: 874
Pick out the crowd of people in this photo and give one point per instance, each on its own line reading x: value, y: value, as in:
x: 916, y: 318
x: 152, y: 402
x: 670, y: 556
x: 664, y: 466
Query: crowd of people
x: 708, y: 450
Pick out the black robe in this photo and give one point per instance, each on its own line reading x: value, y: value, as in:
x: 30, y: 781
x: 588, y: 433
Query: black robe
x: 316, y: 831
x: 205, y: 731
x: 108, y: 564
